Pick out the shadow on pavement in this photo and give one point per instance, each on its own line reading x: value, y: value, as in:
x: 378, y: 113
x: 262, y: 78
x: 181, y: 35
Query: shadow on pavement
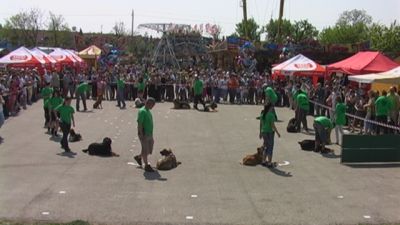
x: 279, y: 172
x: 153, y: 176
x: 55, y: 139
x: 373, y: 165
x: 70, y: 155
x: 1, y: 140
x: 331, y: 155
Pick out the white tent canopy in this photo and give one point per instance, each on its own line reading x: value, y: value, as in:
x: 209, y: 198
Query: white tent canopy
x: 298, y: 64
x: 388, y: 77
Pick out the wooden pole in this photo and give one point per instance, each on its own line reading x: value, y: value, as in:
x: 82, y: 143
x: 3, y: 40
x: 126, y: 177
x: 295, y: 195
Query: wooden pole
x: 282, y: 3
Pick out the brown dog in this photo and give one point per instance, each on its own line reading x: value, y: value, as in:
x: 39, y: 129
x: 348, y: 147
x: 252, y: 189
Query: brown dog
x: 255, y: 159
x: 168, y: 162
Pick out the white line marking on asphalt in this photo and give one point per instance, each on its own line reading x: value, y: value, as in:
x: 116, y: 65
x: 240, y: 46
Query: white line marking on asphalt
x: 284, y: 163
x: 340, y: 196
x: 189, y: 217
x: 367, y: 216
x: 62, y: 192
x: 131, y: 150
x: 45, y: 213
x: 132, y: 164
x: 193, y: 196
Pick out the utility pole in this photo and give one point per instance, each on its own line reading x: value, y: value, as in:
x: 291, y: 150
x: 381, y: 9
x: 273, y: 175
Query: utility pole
x: 280, y: 21
x: 133, y: 19
x: 244, y: 5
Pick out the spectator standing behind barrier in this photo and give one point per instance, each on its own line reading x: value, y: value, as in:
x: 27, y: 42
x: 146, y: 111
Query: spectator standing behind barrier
x: 370, y: 108
x: 394, y: 100
x: 198, y: 92
x: 121, y: 93
x: 81, y: 90
x: 303, y: 106
x: 1, y: 112
x: 322, y: 126
x: 267, y: 133
x: 340, y: 119
x: 382, y: 108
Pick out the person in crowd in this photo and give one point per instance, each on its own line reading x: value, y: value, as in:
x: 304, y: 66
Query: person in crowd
x: 267, y: 133
x: 46, y: 94
x: 322, y: 126
x: 340, y: 120
x: 382, y: 108
x: 369, y: 107
x: 66, y: 112
x: 303, y: 106
x: 121, y: 93
x: 145, y: 134
x: 80, y: 94
x: 198, y: 92
x: 2, y: 118
x: 394, y: 100
x: 54, y: 102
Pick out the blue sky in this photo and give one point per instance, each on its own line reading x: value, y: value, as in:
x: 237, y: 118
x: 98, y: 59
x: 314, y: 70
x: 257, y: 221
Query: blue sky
x: 93, y: 15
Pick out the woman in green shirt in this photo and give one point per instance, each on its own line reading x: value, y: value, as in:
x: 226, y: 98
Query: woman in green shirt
x: 267, y: 133
x: 53, y: 103
x: 66, y: 117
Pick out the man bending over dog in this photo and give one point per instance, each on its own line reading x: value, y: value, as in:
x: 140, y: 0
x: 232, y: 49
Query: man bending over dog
x: 145, y: 133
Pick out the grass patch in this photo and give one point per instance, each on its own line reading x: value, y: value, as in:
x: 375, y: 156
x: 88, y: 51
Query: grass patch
x: 76, y: 222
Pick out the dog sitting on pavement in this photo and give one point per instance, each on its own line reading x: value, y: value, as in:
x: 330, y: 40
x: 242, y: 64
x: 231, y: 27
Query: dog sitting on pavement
x: 181, y: 104
x: 211, y: 107
x: 168, y: 161
x: 254, y: 159
x: 73, y: 136
x: 101, y: 149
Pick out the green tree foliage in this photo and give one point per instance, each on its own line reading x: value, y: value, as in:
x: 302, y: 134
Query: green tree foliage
x: 353, y: 17
x: 385, y: 39
x: 303, y: 30
x: 251, y: 27
x: 272, y: 30
x: 60, y: 32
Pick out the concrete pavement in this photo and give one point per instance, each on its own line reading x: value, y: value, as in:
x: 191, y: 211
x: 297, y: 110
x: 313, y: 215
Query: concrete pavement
x: 37, y: 182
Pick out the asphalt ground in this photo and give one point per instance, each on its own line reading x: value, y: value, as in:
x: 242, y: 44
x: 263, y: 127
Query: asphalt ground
x: 38, y: 182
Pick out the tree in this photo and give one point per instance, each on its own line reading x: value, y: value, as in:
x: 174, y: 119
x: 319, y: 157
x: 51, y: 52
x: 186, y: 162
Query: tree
x: 251, y: 27
x: 385, y: 39
x: 57, y: 26
x: 119, y: 29
x: 26, y: 25
x: 272, y: 30
x: 354, y: 17
x: 303, y: 30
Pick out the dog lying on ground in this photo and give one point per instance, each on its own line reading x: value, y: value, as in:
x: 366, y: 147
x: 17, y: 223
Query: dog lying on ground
x: 73, y: 136
x: 309, y: 145
x: 211, y: 107
x: 254, y: 159
x: 168, y: 161
x: 101, y: 149
x: 181, y: 104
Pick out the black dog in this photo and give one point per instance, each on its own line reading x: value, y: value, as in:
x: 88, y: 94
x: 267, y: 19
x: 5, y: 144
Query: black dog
x: 73, y: 136
x: 309, y: 145
x: 181, y: 104
x: 101, y: 149
x: 211, y: 107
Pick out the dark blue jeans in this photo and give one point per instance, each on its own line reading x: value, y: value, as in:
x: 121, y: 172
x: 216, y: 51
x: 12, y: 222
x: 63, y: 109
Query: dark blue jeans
x: 268, y: 143
x: 65, y: 128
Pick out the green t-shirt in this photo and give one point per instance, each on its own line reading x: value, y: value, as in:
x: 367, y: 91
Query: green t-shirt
x: 66, y: 112
x: 46, y: 94
x: 82, y: 88
x: 271, y: 95
x: 324, y: 121
x: 198, y: 87
x: 266, y: 123
x: 146, y: 120
x: 340, y: 114
x: 393, y: 100
x: 141, y: 86
x: 120, y: 84
x: 54, y: 102
x: 302, y: 101
x: 382, y: 106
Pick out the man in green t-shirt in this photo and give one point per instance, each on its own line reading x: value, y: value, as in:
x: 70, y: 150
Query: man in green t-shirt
x: 145, y: 133
x: 81, y: 90
x: 303, y: 106
x: 198, y: 92
x: 382, y: 108
x: 140, y: 87
x: 322, y: 126
x: 340, y: 117
x: 121, y: 93
x: 270, y: 96
x: 394, y: 100
x: 46, y: 94
x: 66, y: 119
x: 54, y: 102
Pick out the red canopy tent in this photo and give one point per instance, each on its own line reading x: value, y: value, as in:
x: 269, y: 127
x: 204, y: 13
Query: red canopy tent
x: 63, y: 57
x: 299, y: 65
x: 51, y: 63
x: 363, y: 63
x: 22, y: 57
